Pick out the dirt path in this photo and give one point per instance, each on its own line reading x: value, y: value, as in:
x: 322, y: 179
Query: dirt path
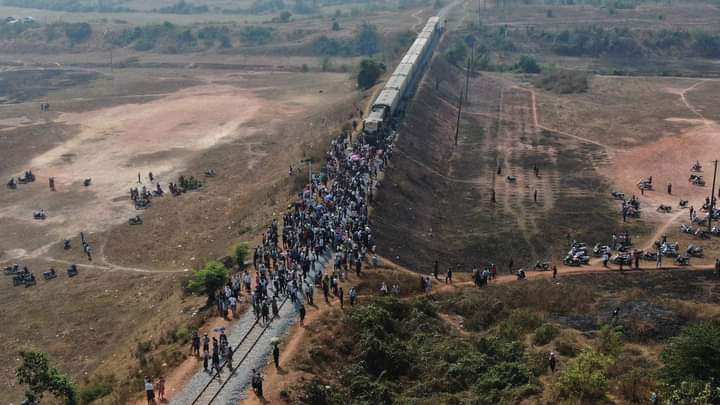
x: 690, y: 106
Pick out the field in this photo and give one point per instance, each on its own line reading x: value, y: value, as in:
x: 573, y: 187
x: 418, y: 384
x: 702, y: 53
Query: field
x: 249, y: 112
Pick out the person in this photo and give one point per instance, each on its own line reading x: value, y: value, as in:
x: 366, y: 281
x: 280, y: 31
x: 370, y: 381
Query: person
x: 205, y: 357
x: 654, y: 399
x: 341, y: 296
x: 616, y: 314
x: 717, y: 267
x: 554, y: 272
x: 636, y: 255
x: 435, y: 270
x: 257, y: 382
x: 229, y: 357
x: 149, y: 391
x: 659, y: 259
x: 160, y: 387
x: 276, y: 356
x: 216, y: 359
x: 353, y: 296
x: 448, y: 277
x: 535, y: 196
x: 605, y: 259
x: 150, y: 176
x: 139, y: 178
x: 302, y: 314
x: 670, y: 188
x: 510, y: 266
x: 196, y: 344
x: 552, y: 362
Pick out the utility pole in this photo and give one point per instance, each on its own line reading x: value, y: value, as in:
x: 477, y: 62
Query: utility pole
x: 712, y: 198
x: 468, y: 67
x: 457, y: 124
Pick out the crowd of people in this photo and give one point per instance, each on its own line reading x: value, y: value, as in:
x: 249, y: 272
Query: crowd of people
x: 328, y: 218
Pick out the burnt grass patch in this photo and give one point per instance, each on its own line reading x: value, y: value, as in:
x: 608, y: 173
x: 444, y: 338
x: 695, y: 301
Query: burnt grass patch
x: 435, y: 201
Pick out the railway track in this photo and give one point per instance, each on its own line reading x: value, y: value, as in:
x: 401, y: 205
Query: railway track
x: 213, y: 389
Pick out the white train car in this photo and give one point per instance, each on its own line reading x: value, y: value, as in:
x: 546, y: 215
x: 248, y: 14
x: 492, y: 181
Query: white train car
x: 403, y: 80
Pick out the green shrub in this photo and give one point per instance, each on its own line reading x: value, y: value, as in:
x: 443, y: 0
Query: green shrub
x: 518, y: 323
x: 78, y: 32
x: 693, y: 356
x: 36, y: 373
x: 369, y: 72
x: 240, y: 253
x: 527, y: 64
x: 208, y: 280
x: 609, y: 341
x: 636, y: 385
x: 255, y: 35
x: 585, y: 377
x: 97, y: 388
x: 545, y: 334
x: 367, y: 39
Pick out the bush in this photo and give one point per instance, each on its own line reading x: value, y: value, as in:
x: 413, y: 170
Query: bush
x: 585, y: 377
x: 336, y: 26
x: 78, y: 32
x: 35, y: 372
x: 567, y: 347
x: 285, y: 16
x: 457, y: 52
x: 209, y: 280
x: 693, y: 356
x: 255, y: 35
x: 240, y: 253
x: 369, y: 72
x: 609, y: 341
x: 563, y: 81
x: 636, y: 386
x: 545, y: 334
x: 183, y: 7
x: 367, y: 39
x: 97, y: 388
x: 527, y: 64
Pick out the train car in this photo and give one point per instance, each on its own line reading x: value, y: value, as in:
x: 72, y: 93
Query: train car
x: 403, y: 80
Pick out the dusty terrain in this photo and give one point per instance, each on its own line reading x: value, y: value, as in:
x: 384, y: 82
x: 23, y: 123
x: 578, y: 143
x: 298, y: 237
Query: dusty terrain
x: 244, y: 125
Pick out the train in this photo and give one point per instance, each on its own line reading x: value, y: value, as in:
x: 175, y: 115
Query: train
x: 403, y: 81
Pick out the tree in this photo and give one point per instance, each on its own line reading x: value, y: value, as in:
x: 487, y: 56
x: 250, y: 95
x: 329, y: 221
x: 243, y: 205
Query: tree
x: 36, y: 373
x: 693, y: 356
x: 369, y: 72
x: 240, y: 252
x: 209, y: 280
x: 367, y: 39
x: 78, y: 32
x: 285, y: 16
x: 336, y: 26
x: 457, y: 52
x: 527, y: 64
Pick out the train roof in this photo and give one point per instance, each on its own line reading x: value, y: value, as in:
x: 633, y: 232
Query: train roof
x: 403, y: 69
x: 387, y: 98
x: 395, y: 82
